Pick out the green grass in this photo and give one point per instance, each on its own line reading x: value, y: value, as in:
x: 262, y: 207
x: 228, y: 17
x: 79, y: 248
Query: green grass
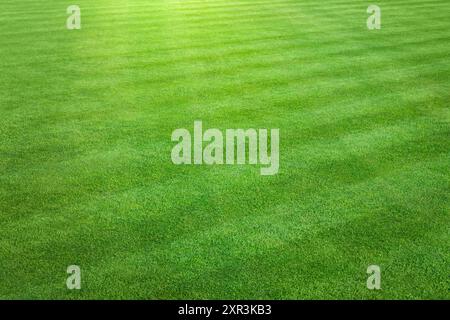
x: 85, y: 170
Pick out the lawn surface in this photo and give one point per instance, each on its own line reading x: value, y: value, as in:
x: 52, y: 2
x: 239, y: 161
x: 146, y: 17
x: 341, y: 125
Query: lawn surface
x: 86, y: 176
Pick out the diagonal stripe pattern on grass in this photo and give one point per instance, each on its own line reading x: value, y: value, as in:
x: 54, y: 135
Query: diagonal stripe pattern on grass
x: 86, y: 176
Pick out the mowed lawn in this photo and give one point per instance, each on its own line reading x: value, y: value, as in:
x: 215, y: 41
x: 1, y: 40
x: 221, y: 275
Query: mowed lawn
x: 86, y: 176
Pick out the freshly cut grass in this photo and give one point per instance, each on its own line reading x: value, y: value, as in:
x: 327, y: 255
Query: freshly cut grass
x: 86, y: 176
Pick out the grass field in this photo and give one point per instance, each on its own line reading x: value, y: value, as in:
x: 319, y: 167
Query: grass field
x: 86, y: 176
